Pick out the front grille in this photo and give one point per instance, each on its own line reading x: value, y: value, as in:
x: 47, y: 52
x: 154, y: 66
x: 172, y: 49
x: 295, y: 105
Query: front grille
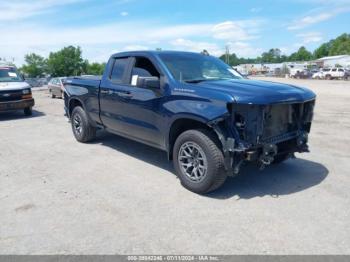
x: 6, y: 96
x: 283, y: 121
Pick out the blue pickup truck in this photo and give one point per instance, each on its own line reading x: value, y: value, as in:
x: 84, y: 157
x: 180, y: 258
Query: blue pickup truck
x: 206, y: 116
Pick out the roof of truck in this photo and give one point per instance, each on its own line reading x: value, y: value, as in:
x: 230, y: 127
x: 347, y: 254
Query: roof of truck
x: 153, y: 52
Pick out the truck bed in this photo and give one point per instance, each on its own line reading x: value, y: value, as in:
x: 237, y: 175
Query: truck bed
x: 85, y: 81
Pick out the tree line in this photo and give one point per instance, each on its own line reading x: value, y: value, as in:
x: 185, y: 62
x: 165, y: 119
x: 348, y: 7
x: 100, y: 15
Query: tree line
x: 338, y: 46
x: 69, y: 61
x: 66, y: 62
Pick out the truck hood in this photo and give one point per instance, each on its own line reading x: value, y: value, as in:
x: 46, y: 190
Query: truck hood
x: 258, y: 92
x: 8, y: 86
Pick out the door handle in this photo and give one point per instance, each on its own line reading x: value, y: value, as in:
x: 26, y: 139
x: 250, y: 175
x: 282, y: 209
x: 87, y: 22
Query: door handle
x: 105, y: 91
x: 108, y: 92
x: 125, y: 94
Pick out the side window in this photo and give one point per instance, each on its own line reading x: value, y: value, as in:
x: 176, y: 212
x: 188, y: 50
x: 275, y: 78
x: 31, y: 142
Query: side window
x: 341, y: 70
x: 144, y: 67
x: 119, y: 68
x: 334, y: 70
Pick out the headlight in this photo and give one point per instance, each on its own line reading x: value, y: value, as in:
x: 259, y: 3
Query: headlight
x: 26, y: 91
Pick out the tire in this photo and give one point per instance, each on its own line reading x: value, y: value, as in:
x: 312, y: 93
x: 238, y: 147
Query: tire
x: 206, y: 144
x: 52, y: 95
x: 28, y: 111
x: 82, y: 129
x: 281, y: 158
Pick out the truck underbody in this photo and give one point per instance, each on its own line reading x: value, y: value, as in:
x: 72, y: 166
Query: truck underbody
x: 263, y: 133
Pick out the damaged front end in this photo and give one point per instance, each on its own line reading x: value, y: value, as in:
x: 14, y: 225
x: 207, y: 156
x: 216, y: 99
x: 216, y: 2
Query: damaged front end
x: 263, y: 133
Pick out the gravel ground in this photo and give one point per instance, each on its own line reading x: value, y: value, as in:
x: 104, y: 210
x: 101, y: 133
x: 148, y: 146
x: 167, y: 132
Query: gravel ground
x: 115, y: 196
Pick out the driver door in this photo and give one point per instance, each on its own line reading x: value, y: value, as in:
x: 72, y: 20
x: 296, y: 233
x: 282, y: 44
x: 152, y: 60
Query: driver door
x: 135, y: 110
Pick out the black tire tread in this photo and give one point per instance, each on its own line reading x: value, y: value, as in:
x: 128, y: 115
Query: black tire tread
x: 28, y: 111
x: 89, y: 132
x: 214, y: 146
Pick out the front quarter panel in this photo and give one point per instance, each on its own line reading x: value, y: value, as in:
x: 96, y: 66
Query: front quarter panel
x: 190, y: 103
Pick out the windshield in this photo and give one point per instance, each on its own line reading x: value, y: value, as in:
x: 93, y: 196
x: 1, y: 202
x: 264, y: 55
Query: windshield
x: 9, y: 74
x: 189, y: 67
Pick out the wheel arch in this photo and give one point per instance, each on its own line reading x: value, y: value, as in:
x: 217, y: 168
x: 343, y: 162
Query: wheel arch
x: 182, y: 124
x: 74, y: 102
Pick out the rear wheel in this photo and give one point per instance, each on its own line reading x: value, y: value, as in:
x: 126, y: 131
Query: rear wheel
x: 198, y: 161
x: 28, y: 111
x: 82, y: 129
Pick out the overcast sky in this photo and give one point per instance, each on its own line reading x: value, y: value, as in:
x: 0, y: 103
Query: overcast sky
x: 106, y: 26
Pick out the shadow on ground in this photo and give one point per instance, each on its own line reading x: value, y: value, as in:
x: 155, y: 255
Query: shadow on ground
x: 290, y: 177
x: 18, y: 115
x: 134, y: 149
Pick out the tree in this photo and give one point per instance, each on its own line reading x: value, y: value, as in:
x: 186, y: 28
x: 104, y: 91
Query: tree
x: 36, y: 65
x: 272, y: 56
x: 95, y: 68
x: 301, y: 55
x: 323, y: 50
x: 66, y: 62
x: 341, y: 45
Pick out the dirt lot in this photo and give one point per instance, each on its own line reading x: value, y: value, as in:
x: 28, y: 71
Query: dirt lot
x: 116, y: 196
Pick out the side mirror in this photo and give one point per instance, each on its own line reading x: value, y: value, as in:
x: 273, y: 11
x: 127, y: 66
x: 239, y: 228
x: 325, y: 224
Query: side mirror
x: 151, y: 82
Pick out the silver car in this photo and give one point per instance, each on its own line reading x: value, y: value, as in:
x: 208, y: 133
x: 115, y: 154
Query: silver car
x: 56, y: 87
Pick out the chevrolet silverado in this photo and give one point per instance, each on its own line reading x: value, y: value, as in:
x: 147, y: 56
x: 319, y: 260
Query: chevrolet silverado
x: 205, y: 115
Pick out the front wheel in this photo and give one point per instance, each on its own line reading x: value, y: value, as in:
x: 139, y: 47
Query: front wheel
x: 199, y: 161
x: 28, y: 111
x: 82, y: 129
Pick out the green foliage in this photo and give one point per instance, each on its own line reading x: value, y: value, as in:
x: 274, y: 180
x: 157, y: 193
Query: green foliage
x: 35, y: 66
x: 301, y: 55
x: 233, y: 60
x: 95, y: 68
x: 66, y: 62
x: 340, y: 46
x: 272, y: 56
x: 322, y: 51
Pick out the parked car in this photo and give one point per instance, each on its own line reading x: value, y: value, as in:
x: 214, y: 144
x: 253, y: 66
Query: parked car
x: 206, y: 117
x: 347, y: 74
x: 15, y: 93
x: 303, y: 74
x: 335, y: 73
x: 56, y: 87
x: 321, y: 74
x: 293, y: 72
